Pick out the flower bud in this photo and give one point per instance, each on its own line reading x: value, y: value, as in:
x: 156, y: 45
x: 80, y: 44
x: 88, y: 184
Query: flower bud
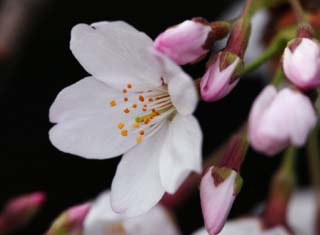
x: 221, y: 76
x: 280, y: 119
x: 301, y: 62
x: 218, y: 189
x: 186, y: 42
x: 19, y: 211
x: 71, y: 221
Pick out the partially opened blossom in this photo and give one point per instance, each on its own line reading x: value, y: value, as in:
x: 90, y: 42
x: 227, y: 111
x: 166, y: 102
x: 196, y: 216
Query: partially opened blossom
x: 221, y: 77
x: 279, y: 119
x: 301, y: 62
x: 246, y: 226
x: 101, y: 220
x: 19, y: 211
x: 137, y: 103
x: 71, y: 221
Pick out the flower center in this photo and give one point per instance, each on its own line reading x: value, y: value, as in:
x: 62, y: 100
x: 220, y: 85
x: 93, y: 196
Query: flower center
x: 146, y: 109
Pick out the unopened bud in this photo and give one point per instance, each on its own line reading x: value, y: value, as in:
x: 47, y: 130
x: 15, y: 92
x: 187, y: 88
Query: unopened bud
x: 190, y: 40
x: 221, y: 77
x: 70, y: 221
x: 19, y: 211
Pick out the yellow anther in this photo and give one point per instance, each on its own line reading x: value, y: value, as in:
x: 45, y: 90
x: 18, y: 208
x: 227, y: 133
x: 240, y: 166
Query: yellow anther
x: 113, y: 103
x: 134, y: 106
x: 124, y: 91
x: 125, y: 99
x: 146, y: 121
x: 124, y: 132
x: 126, y: 110
x: 139, y: 139
x: 141, y: 98
x: 141, y: 132
x: 120, y: 125
x: 129, y: 86
x: 135, y: 124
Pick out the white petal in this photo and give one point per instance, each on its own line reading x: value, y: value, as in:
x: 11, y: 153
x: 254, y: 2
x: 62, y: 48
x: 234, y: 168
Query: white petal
x: 157, y: 221
x: 181, y: 87
x: 302, y: 212
x: 101, y: 216
x: 137, y: 187
x: 93, y: 137
x: 88, y: 96
x: 116, y: 54
x: 181, y: 153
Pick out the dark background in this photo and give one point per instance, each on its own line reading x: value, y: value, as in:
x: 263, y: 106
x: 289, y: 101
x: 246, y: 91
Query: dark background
x: 43, y: 65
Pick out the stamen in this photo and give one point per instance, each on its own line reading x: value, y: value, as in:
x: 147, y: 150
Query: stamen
x: 120, y: 125
x: 113, y: 103
x: 144, y: 110
x: 146, y: 121
x: 125, y: 99
x: 141, y: 98
x: 134, y: 106
x: 126, y: 110
x: 129, y: 86
x: 139, y: 139
x: 141, y: 132
x: 150, y: 99
x: 124, y: 132
x: 135, y: 124
x: 124, y: 91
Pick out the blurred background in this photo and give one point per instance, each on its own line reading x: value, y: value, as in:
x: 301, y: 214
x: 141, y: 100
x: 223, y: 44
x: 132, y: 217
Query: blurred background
x: 36, y: 63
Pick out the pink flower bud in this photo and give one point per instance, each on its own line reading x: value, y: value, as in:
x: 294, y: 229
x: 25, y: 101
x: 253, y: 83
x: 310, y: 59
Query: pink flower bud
x: 70, y: 221
x: 301, y: 63
x: 19, y: 211
x: 221, y: 77
x: 280, y: 119
x: 218, y: 189
x: 185, y: 42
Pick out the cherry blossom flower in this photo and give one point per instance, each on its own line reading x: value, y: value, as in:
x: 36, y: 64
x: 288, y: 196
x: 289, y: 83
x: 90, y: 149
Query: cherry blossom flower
x: 137, y: 103
x: 101, y: 220
x: 246, y: 226
x: 278, y: 119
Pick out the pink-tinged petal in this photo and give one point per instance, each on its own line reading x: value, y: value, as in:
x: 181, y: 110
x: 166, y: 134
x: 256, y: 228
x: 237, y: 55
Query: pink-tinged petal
x: 302, y: 65
x: 102, y: 220
x: 216, y: 84
x: 181, y: 87
x: 184, y: 43
x: 116, y: 54
x: 137, y: 186
x: 181, y: 152
x: 216, y: 200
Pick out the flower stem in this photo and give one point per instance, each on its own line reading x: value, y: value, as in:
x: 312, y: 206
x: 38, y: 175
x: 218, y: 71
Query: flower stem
x: 298, y: 10
x: 282, y: 187
x: 314, y: 161
x: 262, y: 59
